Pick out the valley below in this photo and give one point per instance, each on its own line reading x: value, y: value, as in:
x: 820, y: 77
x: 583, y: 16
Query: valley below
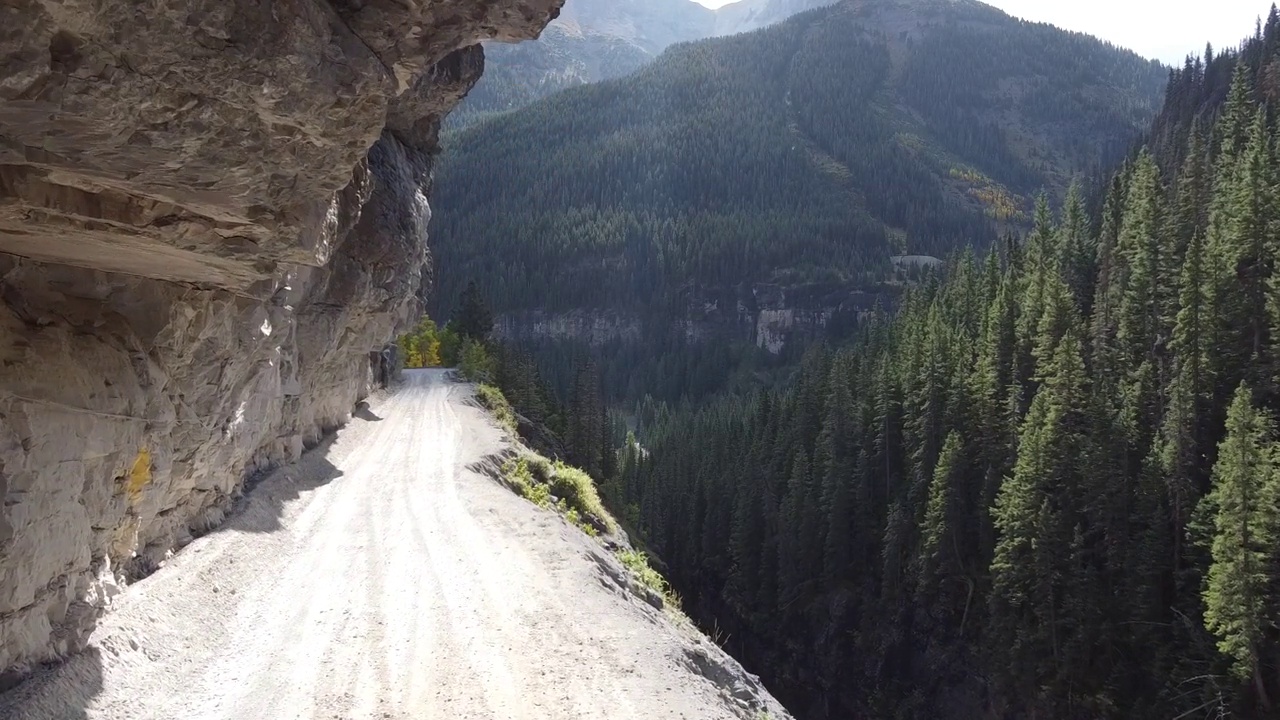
x: 923, y: 357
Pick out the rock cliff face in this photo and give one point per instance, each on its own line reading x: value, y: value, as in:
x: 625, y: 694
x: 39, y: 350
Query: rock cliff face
x: 766, y: 315
x: 212, y: 218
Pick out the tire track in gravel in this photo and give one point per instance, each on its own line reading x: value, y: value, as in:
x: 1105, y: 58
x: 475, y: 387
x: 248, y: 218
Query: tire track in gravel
x: 381, y: 578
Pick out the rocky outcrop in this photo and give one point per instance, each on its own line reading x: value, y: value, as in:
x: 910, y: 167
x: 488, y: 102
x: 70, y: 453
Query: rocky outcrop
x: 592, y: 328
x: 212, y: 218
x: 767, y: 315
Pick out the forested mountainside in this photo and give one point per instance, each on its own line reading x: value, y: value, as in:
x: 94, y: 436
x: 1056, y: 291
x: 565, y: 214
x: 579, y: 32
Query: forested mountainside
x: 1049, y: 486
x: 809, y: 151
x: 599, y: 39
x: 591, y: 40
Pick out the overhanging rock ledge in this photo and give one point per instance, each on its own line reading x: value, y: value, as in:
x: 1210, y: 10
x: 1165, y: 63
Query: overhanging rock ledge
x: 212, y: 218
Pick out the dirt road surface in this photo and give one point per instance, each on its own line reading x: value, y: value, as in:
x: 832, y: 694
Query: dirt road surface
x: 383, y: 577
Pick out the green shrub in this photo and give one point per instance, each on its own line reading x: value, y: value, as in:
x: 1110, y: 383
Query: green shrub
x: 475, y: 364
x: 575, y: 519
x: 493, y: 399
x: 538, y: 479
x: 537, y: 493
x: 450, y: 345
x: 541, y: 468
x: 637, y: 562
x: 518, y: 477
x: 579, y: 491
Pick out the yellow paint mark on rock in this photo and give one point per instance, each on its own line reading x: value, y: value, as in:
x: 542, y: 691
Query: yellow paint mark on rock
x: 139, y: 476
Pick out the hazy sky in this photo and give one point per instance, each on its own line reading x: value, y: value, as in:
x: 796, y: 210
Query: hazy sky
x: 1164, y: 29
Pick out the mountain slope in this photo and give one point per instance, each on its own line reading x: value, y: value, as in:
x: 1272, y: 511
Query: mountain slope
x: 747, y: 15
x: 805, y: 152
x: 596, y: 40
x: 591, y: 40
x: 651, y: 25
x: 1039, y: 470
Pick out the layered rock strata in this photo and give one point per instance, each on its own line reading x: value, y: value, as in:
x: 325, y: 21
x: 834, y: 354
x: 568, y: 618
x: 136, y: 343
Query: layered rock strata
x: 212, y: 219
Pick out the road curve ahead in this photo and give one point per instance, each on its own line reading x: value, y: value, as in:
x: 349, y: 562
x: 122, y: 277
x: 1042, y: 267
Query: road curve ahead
x: 381, y: 577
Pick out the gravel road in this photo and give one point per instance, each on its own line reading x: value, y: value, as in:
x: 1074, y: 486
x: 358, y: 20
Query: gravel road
x: 384, y: 576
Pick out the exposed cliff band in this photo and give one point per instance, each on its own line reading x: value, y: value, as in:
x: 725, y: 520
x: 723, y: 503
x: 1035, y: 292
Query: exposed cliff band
x: 212, y: 215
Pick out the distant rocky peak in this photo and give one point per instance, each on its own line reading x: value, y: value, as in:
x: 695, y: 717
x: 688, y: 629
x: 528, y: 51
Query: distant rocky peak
x: 649, y: 24
x: 747, y: 15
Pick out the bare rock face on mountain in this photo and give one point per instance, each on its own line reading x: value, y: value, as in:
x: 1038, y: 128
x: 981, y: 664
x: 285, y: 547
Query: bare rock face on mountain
x: 212, y: 218
x: 748, y: 15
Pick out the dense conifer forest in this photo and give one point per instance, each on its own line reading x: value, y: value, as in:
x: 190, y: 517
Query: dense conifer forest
x: 592, y: 40
x: 1047, y: 486
x: 808, y: 151
x: 516, y: 75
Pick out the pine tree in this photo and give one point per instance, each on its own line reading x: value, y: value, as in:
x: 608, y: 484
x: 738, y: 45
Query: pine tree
x: 1232, y: 130
x: 1077, y: 253
x: 940, y: 543
x: 1242, y: 230
x: 1040, y: 263
x: 837, y: 446
x: 1140, y: 330
x: 586, y: 440
x: 989, y: 383
x: 887, y: 438
x: 1058, y: 317
x: 748, y: 535
x: 1034, y: 521
x: 1193, y: 187
x: 925, y: 406
x: 791, y: 519
x: 1141, y: 313
x: 1182, y: 436
x: 1105, y: 353
x: 1243, y: 504
x: 474, y: 319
